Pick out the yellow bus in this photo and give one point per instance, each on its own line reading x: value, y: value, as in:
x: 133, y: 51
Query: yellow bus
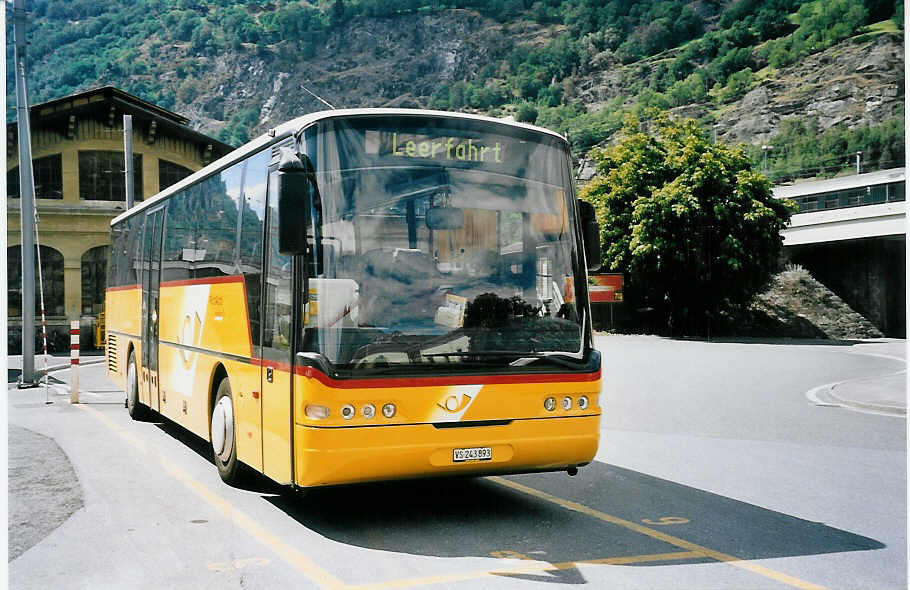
x: 364, y: 295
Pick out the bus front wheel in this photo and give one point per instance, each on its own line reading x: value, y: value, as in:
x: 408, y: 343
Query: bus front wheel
x: 223, y: 435
x: 136, y: 408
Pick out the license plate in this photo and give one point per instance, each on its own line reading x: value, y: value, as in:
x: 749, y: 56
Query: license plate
x: 472, y: 454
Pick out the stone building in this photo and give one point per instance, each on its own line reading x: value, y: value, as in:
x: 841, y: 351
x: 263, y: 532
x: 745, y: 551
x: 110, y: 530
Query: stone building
x: 78, y: 163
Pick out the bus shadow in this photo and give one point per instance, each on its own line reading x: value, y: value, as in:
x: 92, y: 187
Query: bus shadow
x: 252, y: 481
x: 483, y: 517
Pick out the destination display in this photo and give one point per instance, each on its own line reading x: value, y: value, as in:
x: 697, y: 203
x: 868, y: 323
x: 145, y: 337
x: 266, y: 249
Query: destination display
x: 457, y: 147
x: 442, y: 148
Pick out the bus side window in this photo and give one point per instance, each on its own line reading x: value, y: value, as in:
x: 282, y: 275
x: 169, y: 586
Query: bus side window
x: 133, y: 271
x: 216, y: 215
x: 115, y: 260
x: 179, y: 248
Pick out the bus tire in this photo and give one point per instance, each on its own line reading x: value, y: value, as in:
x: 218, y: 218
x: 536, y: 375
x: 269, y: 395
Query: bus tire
x: 223, y: 435
x: 136, y: 409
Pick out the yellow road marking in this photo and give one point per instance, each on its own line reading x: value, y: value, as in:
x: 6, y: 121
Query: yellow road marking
x: 532, y: 567
x: 304, y: 564
x: 119, y: 430
x: 314, y: 572
x: 676, y: 541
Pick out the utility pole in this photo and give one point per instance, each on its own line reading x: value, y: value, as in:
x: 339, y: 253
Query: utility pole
x: 26, y: 201
x: 128, y: 159
x: 765, y: 149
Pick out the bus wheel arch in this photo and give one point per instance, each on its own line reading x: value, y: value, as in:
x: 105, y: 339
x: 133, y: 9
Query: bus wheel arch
x: 219, y: 373
x: 137, y: 410
x: 222, y: 429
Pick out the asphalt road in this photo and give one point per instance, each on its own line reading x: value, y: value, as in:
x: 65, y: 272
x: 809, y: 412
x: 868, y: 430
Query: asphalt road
x: 715, y: 471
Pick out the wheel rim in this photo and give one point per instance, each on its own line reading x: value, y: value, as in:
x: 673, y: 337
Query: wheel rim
x: 223, y: 428
x: 131, y: 384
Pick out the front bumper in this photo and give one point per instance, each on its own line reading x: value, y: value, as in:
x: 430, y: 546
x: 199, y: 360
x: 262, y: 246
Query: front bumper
x: 330, y: 456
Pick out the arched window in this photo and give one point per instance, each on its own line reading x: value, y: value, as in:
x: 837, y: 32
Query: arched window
x: 101, y: 176
x: 47, y: 172
x: 52, y: 274
x: 94, y: 278
x: 170, y: 173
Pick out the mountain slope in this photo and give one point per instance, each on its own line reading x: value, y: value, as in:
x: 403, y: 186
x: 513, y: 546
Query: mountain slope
x: 572, y: 65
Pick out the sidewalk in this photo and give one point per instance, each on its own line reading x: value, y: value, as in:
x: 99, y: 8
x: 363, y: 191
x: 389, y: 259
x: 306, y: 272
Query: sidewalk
x: 883, y: 393
x: 55, y: 362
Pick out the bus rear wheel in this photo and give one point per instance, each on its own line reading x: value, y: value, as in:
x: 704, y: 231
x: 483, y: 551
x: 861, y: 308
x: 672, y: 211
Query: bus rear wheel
x: 223, y: 429
x: 136, y: 409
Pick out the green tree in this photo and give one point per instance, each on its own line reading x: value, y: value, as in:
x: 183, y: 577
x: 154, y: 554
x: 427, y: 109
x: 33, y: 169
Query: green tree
x: 527, y: 113
x: 738, y: 83
x: 693, y: 228
x: 691, y: 89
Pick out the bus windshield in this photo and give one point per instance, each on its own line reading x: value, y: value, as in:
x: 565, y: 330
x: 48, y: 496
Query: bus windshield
x: 442, y: 242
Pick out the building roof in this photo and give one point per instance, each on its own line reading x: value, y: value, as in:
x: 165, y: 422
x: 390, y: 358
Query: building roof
x: 789, y: 191
x: 101, y: 101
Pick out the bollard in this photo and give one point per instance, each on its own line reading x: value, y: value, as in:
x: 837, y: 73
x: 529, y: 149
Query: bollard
x: 74, y: 362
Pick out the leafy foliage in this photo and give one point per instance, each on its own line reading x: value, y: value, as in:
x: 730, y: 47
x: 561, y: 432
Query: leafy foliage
x: 821, y: 24
x: 694, y: 229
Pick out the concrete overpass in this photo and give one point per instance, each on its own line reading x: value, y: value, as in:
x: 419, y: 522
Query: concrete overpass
x: 850, y: 233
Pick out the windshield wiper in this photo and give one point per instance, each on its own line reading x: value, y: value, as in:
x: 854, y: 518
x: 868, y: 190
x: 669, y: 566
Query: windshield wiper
x: 524, y: 358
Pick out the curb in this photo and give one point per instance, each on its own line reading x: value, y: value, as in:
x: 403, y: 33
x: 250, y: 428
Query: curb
x: 895, y: 410
x: 825, y: 396
x: 97, y: 361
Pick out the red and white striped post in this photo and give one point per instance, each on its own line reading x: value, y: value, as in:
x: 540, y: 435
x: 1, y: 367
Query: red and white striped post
x: 74, y: 362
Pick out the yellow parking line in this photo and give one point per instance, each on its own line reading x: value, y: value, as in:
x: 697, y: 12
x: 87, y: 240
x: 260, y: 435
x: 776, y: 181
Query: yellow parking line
x: 294, y: 557
x: 532, y: 567
x: 674, y: 556
x: 676, y: 541
x: 317, y: 574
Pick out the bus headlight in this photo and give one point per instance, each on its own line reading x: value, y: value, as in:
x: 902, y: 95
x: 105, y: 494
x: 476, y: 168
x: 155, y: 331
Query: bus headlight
x: 388, y: 410
x: 369, y: 411
x: 583, y: 402
x: 567, y: 403
x: 347, y: 411
x: 549, y: 404
x: 316, y: 412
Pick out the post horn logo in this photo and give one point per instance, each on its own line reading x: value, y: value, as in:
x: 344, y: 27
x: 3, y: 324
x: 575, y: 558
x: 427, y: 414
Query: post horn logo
x: 453, y: 405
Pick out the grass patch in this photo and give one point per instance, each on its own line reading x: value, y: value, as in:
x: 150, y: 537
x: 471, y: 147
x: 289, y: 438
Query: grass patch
x: 885, y: 26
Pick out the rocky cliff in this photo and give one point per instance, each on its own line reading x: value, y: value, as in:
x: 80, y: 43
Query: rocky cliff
x: 369, y: 62
x: 859, y: 81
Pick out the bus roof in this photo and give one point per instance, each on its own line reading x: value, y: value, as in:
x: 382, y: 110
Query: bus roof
x: 292, y: 127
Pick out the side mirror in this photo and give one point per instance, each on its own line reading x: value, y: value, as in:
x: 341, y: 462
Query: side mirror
x: 590, y: 234
x: 294, y: 204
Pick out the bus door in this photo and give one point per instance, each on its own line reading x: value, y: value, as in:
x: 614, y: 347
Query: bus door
x: 151, y: 277
x: 277, y: 360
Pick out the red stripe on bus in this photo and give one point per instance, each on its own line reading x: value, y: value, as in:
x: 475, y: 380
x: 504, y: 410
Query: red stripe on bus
x: 204, y: 281
x: 429, y: 381
x: 122, y: 288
